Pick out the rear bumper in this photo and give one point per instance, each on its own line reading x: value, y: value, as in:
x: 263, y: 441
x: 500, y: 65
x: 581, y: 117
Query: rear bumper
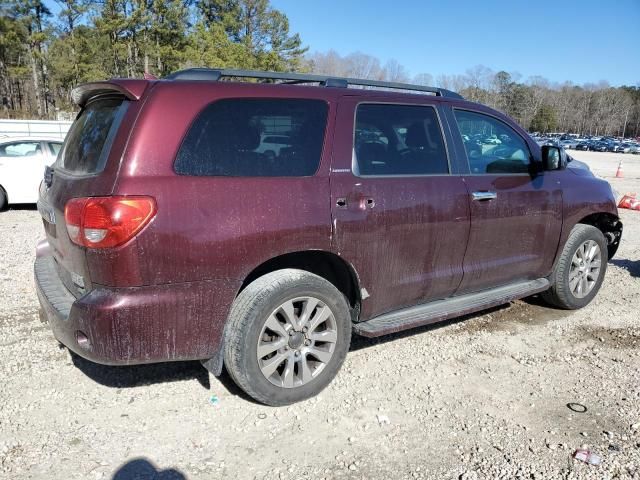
x: 126, y: 326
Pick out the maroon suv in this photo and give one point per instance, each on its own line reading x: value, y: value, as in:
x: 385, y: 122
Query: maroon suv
x: 177, y: 231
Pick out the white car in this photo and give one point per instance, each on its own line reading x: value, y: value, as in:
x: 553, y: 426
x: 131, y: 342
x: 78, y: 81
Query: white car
x: 22, y: 163
x: 270, y: 145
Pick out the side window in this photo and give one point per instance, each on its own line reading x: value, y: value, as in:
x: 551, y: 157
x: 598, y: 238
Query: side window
x: 255, y: 138
x: 398, y: 140
x: 20, y: 149
x: 492, y: 146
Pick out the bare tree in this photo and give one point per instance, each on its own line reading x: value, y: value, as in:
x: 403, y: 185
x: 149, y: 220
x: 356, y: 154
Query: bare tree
x: 394, y: 72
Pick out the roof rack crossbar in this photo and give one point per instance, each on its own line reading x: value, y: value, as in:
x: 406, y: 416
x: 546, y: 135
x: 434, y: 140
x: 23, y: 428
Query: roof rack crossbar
x: 214, y: 75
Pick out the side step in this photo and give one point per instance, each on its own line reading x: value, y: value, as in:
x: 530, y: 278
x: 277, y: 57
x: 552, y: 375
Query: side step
x: 439, y: 310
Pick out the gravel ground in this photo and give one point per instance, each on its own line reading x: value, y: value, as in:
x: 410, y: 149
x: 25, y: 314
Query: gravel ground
x: 479, y: 398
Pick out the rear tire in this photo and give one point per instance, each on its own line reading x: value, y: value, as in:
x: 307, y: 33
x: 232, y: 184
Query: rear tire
x: 580, y: 270
x: 287, y: 336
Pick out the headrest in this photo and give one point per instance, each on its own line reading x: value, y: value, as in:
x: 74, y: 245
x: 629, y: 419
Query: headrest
x: 247, y: 138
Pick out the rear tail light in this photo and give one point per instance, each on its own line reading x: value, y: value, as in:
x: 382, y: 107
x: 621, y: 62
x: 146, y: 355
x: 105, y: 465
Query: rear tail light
x: 104, y: 222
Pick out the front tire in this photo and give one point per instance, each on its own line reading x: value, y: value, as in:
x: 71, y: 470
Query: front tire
x: 287, y: 336
x: 580, y: 270
x: 3, y: 199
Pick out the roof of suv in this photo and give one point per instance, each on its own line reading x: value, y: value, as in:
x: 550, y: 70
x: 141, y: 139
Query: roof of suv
x: 215, y: 75
x: 134, y: 88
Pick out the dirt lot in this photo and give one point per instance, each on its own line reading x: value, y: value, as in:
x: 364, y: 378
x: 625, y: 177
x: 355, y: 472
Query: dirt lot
x: 483, y: 397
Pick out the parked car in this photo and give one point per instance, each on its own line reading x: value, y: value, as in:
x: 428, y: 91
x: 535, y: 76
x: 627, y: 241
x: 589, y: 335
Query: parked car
x: 22, y: 162
x: 568, y: 144
x: 271, y: 145
x: 175, y: 240
x: 599, y: 146
x: 621, y: 147
x: 546, y: 141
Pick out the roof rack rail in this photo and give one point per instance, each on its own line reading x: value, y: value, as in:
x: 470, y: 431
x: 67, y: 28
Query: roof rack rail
x: 214, y: 74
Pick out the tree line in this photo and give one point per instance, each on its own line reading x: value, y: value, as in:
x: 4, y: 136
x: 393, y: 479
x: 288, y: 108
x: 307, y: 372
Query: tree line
x: 535, y: 103
x: 44, y: 55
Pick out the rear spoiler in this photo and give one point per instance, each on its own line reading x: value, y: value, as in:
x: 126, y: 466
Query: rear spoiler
x: 132, y: 89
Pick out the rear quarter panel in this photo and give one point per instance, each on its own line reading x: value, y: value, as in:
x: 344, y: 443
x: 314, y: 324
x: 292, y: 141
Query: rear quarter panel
x: 212, y: 227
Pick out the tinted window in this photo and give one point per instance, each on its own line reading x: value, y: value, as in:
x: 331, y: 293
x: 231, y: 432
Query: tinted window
x: 278, y: 140
x: 89, y: 139
x: 230, y: 138
x: 492, y: 146
x: 398, y: 140
x: 20, y: 149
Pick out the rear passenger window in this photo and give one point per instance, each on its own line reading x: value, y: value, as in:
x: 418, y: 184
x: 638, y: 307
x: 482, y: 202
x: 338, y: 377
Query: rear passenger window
x: 398, y: 140
x: 255, y: 138
x: 492, y: 146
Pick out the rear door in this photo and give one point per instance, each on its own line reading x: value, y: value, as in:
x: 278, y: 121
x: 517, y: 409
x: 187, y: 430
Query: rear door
x: 516, y: 209
x: 86, y: 166
x: 401, y: 218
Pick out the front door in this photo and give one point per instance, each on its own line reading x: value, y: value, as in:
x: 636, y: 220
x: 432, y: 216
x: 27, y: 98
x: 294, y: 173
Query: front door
x: 401, y: 219
x: 516, y: 210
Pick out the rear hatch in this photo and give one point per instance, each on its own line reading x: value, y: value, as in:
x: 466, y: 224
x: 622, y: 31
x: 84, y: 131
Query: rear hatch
x: 87, y: 166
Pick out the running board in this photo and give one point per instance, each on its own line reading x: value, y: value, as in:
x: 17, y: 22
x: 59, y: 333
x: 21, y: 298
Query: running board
x: 439, y: 310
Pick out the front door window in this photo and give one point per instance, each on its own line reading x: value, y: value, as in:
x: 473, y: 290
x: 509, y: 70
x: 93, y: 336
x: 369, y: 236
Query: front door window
x: 492, y: 146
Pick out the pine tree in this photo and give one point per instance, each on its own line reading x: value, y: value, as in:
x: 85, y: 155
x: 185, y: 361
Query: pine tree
x: 32, y: 17
x: 544, y: 120
x: 262, y: 30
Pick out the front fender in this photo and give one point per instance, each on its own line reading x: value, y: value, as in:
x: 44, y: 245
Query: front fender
x: 590, y: 200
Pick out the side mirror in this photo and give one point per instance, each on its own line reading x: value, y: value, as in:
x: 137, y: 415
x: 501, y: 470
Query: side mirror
x: 553, y: 158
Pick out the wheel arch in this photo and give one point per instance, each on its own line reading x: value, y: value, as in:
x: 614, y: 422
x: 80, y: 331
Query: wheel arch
x: 325, y: 264
x: 610, y: 226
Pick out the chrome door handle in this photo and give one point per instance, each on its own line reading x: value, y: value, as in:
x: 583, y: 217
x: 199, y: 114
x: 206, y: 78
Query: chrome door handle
x: 482, y: 196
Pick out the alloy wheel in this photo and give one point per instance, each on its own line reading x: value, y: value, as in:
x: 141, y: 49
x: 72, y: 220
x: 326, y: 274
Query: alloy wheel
x: 585, y: 269
x: 297, y: 342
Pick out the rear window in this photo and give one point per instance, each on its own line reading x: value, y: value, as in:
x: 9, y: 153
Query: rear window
x: 87, y: 144
x: 234, y: 138
x: 20, y: 149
